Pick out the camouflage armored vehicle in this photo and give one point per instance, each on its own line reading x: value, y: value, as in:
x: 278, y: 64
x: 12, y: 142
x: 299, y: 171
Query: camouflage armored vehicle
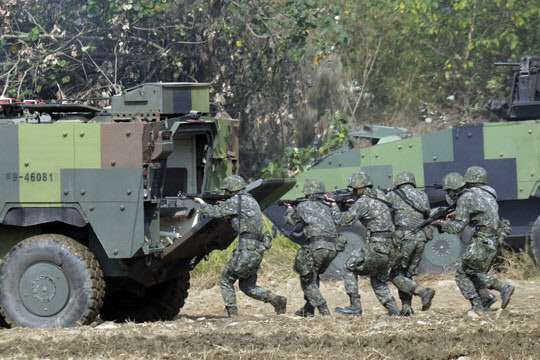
x: 508, y: 150
x: 91, y: 221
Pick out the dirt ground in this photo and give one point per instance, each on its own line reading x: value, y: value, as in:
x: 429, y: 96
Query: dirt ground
x: 203, y: 331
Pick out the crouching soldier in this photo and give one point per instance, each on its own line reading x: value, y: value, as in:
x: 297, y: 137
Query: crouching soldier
x: 376, y: 258
x: 323, y: 244
x: 246, y: 219
x: 478, y: 211
x: 476, y: 179
x: 411, y: 207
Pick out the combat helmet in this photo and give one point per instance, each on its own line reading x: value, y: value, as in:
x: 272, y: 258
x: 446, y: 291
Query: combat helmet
x: 360, y: 180
x: 312, y: 186
x: 476, y: 175
x: 233, y: 183
x: 453, y: 181
x: 405, y: 177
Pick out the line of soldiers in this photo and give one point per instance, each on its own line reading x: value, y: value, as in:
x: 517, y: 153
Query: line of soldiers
x: 393, y: 249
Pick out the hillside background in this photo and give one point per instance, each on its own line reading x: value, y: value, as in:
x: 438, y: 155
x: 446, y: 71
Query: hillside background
x: 287, y: 69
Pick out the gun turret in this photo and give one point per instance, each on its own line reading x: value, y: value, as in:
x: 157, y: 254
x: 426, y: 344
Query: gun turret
x: 525, y: 100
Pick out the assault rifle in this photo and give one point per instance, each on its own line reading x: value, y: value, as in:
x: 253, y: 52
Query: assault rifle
x: 436, y: 214
x: 209, y: 197
x: 341, y: 197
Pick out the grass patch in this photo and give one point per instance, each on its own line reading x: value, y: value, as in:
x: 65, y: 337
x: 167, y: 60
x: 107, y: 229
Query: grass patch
x: 277, y: 262
x: 518, y: 265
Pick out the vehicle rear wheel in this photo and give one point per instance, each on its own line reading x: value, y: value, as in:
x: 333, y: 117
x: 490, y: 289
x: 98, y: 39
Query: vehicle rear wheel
x: 50, y: 280
x: 535, y: 240
x: 154, y: 303
x: 442, y: 253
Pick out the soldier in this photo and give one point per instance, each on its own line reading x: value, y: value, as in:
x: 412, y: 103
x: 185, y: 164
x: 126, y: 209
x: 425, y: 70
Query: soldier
x: 246, y: 219
x: 411, y: 207
x: 476, y: 179
x: 323, y: 245
x: 375, y: 259
x: 477, y: 211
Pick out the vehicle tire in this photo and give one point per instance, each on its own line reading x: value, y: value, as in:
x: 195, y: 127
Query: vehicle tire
x: 50, y: 280
x: 159, y: 302
x: 535, y: 240
x: 356, y: 239
x: 442, y: 253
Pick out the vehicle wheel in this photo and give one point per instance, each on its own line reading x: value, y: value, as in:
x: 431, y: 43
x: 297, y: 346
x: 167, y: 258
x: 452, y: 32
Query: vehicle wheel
x: 154, y: 303
x: 535, y: 240
x: 442, y: 253
x: 356, y: 239
x: 50, y: 280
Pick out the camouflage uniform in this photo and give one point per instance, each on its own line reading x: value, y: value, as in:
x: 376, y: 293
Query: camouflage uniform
x: 476, y: 178
x: 375, y: 260
x: 246, y: 219
x: 475, y: 209
x: 314, y: 258
x: 411, y: 207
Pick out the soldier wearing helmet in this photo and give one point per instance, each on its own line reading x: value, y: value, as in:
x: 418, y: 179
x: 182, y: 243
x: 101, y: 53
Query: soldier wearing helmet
x: 374, y: 260
x: 481, y: 213
x: 476, y: 179
x: 314, y: 258
x: 246, y: 219
x: 411, y: 207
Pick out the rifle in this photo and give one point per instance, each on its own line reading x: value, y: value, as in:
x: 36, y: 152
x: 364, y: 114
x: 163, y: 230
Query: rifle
x: 209, y: 197
x: 437, y: 214
x: 341, y: 198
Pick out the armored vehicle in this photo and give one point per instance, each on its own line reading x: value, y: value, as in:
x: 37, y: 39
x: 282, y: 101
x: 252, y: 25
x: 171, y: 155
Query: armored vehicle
x: 508, y: 150
x: 91, y: 221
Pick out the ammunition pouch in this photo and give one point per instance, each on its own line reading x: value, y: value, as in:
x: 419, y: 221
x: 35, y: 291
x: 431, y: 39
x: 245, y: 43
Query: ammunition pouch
x: 267, y: 240
x: 247, y: 257
x: 480, y: 253
x: 371, y: 260
x: 340, y: 243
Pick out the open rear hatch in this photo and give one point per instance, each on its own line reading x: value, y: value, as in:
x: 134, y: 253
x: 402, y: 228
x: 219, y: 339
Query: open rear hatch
x: 216, y: 234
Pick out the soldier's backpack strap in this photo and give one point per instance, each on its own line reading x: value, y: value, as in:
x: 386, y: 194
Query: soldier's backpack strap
x: 409, y: 202
x: 239, y: 210
x: 489, y: 192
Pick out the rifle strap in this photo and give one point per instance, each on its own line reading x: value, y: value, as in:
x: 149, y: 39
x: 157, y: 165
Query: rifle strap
x: 409, y: 202
x: 239, y: 210
x: 489, y: 192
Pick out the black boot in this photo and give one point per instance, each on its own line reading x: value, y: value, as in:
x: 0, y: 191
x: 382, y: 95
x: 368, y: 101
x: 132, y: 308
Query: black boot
x: 323, y: 310
x: 427, y: 297
x: 506, y: 294
x: 492, y: 299
x: 279, y: 303
x: 354, y: 310
x: 477, y: 306
x: 307, y: 311
x: 392, y: 308
x: 232, y: 311
x: 406, y: 304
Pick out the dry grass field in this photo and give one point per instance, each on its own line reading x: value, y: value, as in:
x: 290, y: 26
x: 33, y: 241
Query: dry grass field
x: 202, y: 331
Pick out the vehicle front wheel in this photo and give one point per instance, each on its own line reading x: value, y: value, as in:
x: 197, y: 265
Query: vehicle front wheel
x: 50, y: 280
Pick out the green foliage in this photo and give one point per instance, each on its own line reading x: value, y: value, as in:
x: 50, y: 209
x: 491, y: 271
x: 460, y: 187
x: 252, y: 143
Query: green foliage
x: 296, y: 160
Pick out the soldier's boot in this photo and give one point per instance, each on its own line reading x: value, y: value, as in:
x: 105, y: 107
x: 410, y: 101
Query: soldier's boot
x: 279, y: 303
x: 477, y: 306
x: 427, y: 296
x: 406, y: 307
x: 306, y: 311
x: 506, y: 294
x: 323, y: 310
x: 492, y: 299
x: 354, y: 310
x: 392, y: 308
x: 232, y: 311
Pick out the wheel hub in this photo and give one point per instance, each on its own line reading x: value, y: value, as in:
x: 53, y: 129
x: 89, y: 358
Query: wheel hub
x: 443, y: 250
x: 44, y: 289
